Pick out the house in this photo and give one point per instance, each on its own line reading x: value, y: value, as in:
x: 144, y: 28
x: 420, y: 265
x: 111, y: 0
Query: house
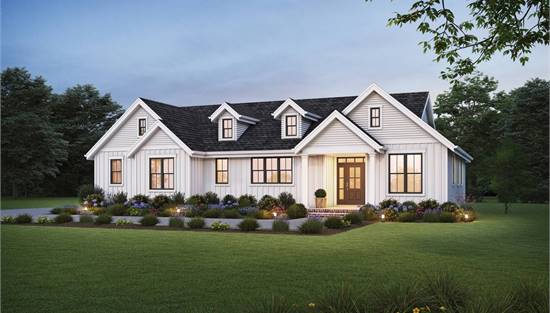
x: 359, y: 149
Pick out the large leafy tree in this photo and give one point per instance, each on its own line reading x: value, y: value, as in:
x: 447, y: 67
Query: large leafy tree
x: 82, y: 115
x: 511, y: 27
x: 468, y: 115
x: 31, y: 148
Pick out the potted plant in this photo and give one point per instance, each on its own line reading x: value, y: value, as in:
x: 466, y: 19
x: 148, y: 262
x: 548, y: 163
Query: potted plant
x: 320, y: 198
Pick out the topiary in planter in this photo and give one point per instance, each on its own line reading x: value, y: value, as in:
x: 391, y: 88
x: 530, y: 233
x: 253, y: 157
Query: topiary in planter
x: 280, y: 226
x: 354, y: 218
x: 249, y: 224
x: 103, y: 219
x: 296, y: 210
x: 311, y: 227
x: 320, y: 193
x: 149, y: 220
x: 196, y: 222
x: 320, y: 198
x: 63, y: 218
x: 176, y: 222
x: 334, y: 222
x: 23, y: 219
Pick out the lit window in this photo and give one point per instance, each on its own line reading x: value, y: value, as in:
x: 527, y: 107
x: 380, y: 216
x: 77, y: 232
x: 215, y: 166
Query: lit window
x: 116, y: 171
x: 142, y: 126
x: 227, y: 128
x: 291, y: 125
x: 405, y: 173
x: 222, y: 171
x: 271, y: 170
x: 161, y: 173
x: 374, y: 117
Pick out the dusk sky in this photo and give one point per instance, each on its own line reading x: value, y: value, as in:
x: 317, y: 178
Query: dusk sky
x: 205, y: 52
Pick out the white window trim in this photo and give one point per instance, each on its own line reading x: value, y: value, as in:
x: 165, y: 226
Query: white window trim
x: 146, y: 124
x: 387, y: 176
x: 298, y: 125
x: 148, y: 174
x: 234, y: 129
x: 380, y: 117
x: 121, y: 158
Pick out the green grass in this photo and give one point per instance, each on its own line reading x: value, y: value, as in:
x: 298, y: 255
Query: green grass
x: 26, y: 203
x: 58, y: 269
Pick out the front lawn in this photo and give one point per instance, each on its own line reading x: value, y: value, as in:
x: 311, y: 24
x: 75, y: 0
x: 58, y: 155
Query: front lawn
x: 62, y: 269
x: 28, y: 203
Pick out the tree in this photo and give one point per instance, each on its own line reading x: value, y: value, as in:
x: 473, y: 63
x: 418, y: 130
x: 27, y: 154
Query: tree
x: 82, y: 115
x: 508, y: 172
x: 512, y: 27
x: 468, y: 115
x: 31, y: 148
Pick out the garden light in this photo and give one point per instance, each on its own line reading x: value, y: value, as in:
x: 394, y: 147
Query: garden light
x: 274, y: 214
x: 383, y: 216
x: 178, y: 211
x: 466, y: 216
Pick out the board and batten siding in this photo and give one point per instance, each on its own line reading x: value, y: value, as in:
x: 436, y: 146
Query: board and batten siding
x: 457, y: 192
x: 127, y: 135
x: 396, y: 126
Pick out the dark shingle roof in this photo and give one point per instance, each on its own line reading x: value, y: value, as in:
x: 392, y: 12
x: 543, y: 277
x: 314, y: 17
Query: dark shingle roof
x: 192, y: 125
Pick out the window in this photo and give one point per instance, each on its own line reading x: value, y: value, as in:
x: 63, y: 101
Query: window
x: 227, y: 128
x: 291, y: 125
x: 458, y: 171
x: 142, y: 126
x: 405, y: 173
x: 374, y: 117
x: 161, y: 173
x: 222, y: 171
x: 116, y: 171
x: 271, y: 170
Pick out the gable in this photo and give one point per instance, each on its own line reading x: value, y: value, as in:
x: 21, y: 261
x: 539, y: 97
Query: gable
x: 126, y: 136
x: 160, y: 140
x: 396, y: 126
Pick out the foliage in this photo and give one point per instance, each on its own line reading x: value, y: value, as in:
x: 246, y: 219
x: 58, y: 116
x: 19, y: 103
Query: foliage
x: 197, y: 200
x: 86, y: 219
x: 87, y: 189
x: 231, y: 213
x: 409, y: 206
x: 286, y: 200
x: 407, y: 217
x: 134, y: 212
x: 447, y: 217
x: 262, y: 214
x: 98, y: 210
x: 320, y: 193
x: 389, y: 215
x: 449, y: 206
x: 389, y: 203
x: 219, y: 226
x: 123, y: 221
x: 296, y: 210
x: 428, y: 204
x: 196, y: 222
x: 511, y: 27
x: 229, y: 199
x: 211, y: 198
x: 334, y: 222
x: 508, y: 173
x: 63, y: 218
x: 354, y: 218
x: 311, y: 226
x: 68, y: 210
x: 149, y: 220
x: 212, y: 213
x: 431, y: 217
x: 43, y: 220
x: 103, y: 219
x: 249, y: 224
x: 8, y: 219
x: 23, y: 219
x: 178, y: 198
x: 247, y: 200
x: 369, y: 212
x: 117, y: 210
x: 268, y: 203
x: 280, y: 226
x: 140, y: 198
x: 94, y: 200
x: 176, y: 222
x: 160, y: 202
x: 119, y: 197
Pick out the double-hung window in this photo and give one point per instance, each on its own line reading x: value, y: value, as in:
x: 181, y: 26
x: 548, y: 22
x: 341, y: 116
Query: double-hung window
x: 161, y: 173
x: 405, y: 173
x: 222, y: 171
x: 142, y: 126
x: 374, y: 117
x: 291, y: 125
x: 227, y: 128
x: 271, y: 170
x: 116, y: 171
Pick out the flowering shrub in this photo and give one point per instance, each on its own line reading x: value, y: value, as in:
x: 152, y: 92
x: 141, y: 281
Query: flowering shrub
x: 85, y: 190
x: 369, y: 212
x: 117, y: 209
x: 43, y: 220
x: 449, y: 206
x: 409, y: 206
x: 94, y: 200
x: 160, y: 201
x: 123, y: 221
x: 219, y: 226
x: 134, y: 211
x: 390, y: 214
x: 389, y: 203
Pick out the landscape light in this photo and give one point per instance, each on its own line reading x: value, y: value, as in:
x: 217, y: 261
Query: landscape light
x: 274, y: 214
x: 383, y: 216
x: 178, y: 210
x: 465, y: 216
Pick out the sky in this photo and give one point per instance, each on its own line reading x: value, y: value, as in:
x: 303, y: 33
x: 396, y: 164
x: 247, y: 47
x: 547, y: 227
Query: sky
x: 207, y: 52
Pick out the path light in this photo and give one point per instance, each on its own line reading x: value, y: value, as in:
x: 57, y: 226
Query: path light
x: 466, y: 217
x: 383, y: 216
x: 274, y: 214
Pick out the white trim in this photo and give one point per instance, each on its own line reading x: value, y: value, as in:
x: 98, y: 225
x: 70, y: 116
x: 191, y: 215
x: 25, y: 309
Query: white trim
x: 374, y: 106
x: 298, y: 126
x: 290, y: 102
x: 138, y: 103
x: 335, y: 115
x: 239, y: 117
x: 148, y: 171
x: 122, y: 172
x: 146, y: 121
x: 150, y: 133
x: 233, y: 129
x: 242, y: 153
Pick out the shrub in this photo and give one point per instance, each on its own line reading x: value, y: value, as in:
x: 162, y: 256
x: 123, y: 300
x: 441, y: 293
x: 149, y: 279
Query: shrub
x: 63, y: 218
x: 354, y: 218
x: 212, y: 213
x: 249, y: 224
x: 94, y: 200
x: 85, y: 190
x: 98, y: 210
x: 409, y: 206
x: 229, y: 199
x: 178, y: 198
x: 334, y: 222
x: 123, y: 221
x: 119, y: 198
x: 23, y: 219
x: 56, y: 211
x: 280, y: 226
x: 449, y: 206
x: 389, y: 214
x: 211, y: 198
x: 268, y: 203
x: 231, y: 213
x: 311, y: 226
x: 149, y: 220
x: 296, y: 210
x: 247, y: 200
x: 286, y: 200
x: 389, y: 203
x: 428, y: 204
x: 176, y: 222
x: 134, y: 212
x: 197, y: 200
x: 320, y: 193
x: 86, y: 219
x: 219, y: 226
x: 447, y: 217
x: 103, y: 219
x: 140, y: 198
x: 8, y: 219
x: 68, y: 210
x: 196, y: 222
x: 43, y: 220
x: 431, y: 217
x: 262, y: 214
x: 117, y: 209
x: 160, y: 201
x: 369, y: 213
x: 407, y: 217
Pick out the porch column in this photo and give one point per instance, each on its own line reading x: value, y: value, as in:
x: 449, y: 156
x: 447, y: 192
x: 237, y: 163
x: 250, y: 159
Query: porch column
x: 371, y: 178
x: 304, y: 181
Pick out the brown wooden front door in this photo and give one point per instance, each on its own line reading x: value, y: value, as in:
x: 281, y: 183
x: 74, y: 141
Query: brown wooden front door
x: 350, y: 181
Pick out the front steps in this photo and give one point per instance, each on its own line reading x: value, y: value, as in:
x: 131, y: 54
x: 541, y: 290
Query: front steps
x: 332, y: 211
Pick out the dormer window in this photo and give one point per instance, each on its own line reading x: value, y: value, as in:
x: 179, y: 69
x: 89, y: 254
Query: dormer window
x: 142, y: 126
x: 291, y: 124
x: 375, y: 117
x: 227, y: 128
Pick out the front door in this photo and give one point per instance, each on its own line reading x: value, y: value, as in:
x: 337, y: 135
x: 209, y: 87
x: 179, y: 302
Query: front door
x: 350, y: 181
